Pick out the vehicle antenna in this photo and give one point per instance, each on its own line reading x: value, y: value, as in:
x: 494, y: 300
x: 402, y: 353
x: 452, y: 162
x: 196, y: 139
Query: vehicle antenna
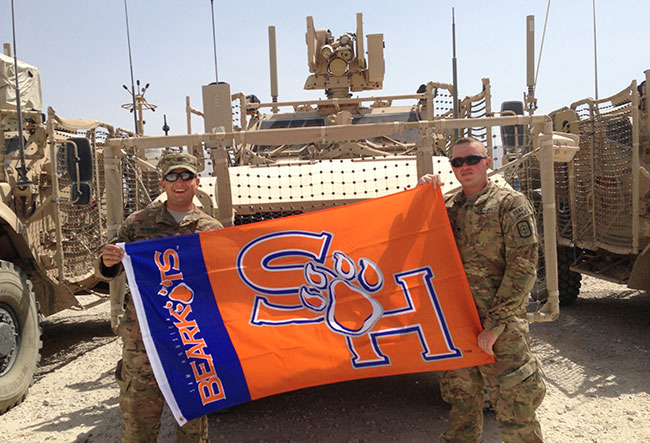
x: 128, y: 39
x: 531, y: 75
x: 165, y: 127
x: 595, y: 53
x: 541, y: 47
x: 273, y: 68
x: 454, y: 68
x: 22, y: 171
x: 214, y: 42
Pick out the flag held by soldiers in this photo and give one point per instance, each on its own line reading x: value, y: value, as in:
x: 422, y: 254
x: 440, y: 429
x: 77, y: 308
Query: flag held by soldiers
x: 370, y: 289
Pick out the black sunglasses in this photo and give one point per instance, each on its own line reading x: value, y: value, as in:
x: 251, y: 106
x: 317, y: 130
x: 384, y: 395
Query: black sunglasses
x: 173, y: 176
x: 470, y: 160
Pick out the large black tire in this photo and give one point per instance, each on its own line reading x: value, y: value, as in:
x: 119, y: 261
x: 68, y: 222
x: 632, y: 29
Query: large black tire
x: 20, y: 336
x: 568, y: 282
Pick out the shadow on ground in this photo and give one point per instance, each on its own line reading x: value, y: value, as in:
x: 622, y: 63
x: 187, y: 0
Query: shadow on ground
x: 599, y: 346
x: 404, y: 408
x: 101, y: 417
x: 64, y: 341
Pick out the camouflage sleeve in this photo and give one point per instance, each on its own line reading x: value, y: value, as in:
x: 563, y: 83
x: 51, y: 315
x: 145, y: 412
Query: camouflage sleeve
x: 211, y: 225
x: 520, y: 238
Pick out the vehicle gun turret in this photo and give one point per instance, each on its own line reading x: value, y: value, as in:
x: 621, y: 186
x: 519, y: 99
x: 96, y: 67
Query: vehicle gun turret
x: 339, y: 65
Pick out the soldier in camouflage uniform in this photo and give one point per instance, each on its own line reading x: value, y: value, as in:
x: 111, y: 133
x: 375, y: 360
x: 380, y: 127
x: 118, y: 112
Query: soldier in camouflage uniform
x: 141, y: 401
x: 495, y: 232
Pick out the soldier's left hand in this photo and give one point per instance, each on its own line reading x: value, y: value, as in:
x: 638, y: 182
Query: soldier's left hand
x: 430, y: 178
x: 486, y: 340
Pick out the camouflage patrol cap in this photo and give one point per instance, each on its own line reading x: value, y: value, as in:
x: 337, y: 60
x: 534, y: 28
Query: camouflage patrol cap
x: 178, y: 160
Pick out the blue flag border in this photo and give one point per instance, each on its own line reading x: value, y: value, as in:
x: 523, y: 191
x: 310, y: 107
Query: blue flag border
x: 154, y: 358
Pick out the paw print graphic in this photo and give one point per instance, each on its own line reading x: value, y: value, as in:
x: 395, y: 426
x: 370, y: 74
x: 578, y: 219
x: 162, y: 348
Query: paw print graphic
x: 343, y: 294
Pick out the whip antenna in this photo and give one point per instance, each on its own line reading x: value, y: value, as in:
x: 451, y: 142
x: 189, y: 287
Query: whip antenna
x: 128, y: 39
x: 595, y: 53
x: 541, y: 47
x: 214, y: 42
x: 22, y: 171
x: 453, y: 68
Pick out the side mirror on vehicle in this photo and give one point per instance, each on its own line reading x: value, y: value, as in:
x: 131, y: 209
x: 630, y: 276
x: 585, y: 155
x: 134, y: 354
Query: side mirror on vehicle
x: 512, y: 136
x: 80, y: 195
x: 79, y: 159
x: 79, y: 166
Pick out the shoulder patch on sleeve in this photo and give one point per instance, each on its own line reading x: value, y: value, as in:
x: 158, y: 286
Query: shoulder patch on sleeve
x: 520, y: 212
x: 524, y: 229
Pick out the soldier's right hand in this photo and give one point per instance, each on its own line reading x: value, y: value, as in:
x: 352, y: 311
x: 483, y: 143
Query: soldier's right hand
x: 112, y: 255
x: 430, y: 178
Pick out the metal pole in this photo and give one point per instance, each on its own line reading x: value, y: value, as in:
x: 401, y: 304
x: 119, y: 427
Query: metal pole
x: 424, y: 144
x: 59, y: 256
x: 636, y: 167
x: 454, y: 68
x: 224, y: 197
x: 488, y: 113
x: 114, y: 215
x: 551, y: 309
x: 188, y: 111
x: 646, y: 92
x: 330, y: 133
x: 140, y: 110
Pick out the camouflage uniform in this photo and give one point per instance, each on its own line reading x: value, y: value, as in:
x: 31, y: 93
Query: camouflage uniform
x: 141, y: 401
x: 497, y: 240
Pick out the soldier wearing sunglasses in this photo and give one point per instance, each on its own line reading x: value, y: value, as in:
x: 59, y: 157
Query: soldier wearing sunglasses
x: 494, y: 228
x: 141, y: 401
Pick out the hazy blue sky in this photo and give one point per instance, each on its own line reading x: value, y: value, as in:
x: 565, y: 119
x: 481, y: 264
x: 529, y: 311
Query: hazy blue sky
x: 80, y: 48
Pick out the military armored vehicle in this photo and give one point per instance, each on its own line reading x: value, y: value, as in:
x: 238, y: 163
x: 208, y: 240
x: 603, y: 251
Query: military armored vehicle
x: 603, y: 194
x: 52, y: 217
x: 602, y: 188
x: 273, y: 159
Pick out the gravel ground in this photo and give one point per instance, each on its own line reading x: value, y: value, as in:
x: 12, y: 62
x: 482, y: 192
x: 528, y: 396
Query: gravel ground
x: 596, y: 359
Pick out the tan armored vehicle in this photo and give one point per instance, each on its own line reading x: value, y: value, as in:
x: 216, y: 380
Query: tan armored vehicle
x: 267, y: 160
x: 603, y: 195
x: 52, y: 218
x: 602, y: 189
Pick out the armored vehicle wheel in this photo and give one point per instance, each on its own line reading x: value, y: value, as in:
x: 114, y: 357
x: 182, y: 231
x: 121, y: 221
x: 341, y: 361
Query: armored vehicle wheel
x: 20, y: 336
x: 568, y: 282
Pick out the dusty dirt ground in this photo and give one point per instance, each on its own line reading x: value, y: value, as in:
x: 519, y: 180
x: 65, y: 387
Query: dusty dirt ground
x: 596, y: 359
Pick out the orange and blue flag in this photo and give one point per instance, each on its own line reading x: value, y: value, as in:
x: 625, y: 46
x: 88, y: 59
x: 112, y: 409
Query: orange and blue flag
x: 371, y: 289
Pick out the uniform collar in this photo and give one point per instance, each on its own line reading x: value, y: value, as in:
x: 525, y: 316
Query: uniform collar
x: 163, y: 216
x: 460, y: 197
